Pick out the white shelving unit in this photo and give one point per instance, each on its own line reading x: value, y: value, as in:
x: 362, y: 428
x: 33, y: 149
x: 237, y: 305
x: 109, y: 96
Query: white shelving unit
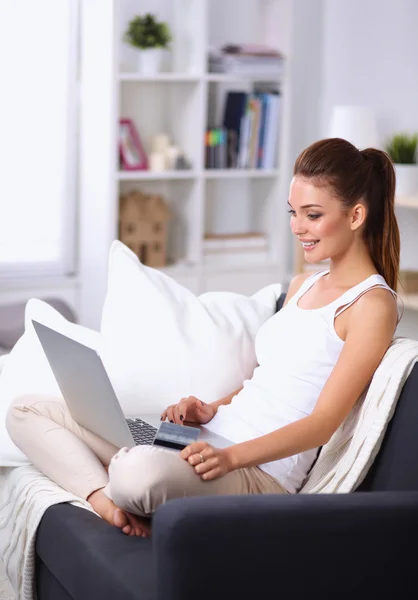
x: 241, y: 174
x: 155, y: 175
x: 158, y: 78
x: 409, y: 202
x: 182, y: 101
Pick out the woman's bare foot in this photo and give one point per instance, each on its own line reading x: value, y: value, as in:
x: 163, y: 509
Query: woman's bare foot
x: 130, y: 524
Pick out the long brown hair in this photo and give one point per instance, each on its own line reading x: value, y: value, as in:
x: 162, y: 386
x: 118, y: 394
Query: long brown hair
x: 353, y: 175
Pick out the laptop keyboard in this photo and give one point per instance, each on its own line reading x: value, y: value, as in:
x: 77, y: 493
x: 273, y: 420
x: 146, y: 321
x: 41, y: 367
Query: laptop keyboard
x: 143, y: 433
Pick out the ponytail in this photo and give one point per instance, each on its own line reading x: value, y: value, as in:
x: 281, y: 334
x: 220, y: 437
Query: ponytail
x: 381, y: 232
x: 355, y: 175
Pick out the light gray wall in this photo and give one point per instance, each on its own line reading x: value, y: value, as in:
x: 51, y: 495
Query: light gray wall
x: 370, y: 56
x: 408, y: 327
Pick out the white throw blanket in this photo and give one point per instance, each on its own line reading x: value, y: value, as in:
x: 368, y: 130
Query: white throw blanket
x: 345, y: 460
x: 25, y: 494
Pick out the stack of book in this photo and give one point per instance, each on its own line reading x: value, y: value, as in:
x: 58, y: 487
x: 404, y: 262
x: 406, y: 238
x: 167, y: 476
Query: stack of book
x: 233, y: 249
x: 246, y: 59
x: 251, y: 122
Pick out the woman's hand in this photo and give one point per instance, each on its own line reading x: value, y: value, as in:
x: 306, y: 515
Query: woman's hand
x: 208, y: 462
x: 189, y: 409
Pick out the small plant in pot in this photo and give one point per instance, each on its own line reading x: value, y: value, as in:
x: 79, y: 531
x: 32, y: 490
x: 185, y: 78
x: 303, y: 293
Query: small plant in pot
x: 402, y: 148
x: 150, y: 37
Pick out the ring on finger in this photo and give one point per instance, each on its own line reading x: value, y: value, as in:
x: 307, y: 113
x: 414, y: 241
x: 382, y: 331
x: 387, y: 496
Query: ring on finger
x: 201, y: 458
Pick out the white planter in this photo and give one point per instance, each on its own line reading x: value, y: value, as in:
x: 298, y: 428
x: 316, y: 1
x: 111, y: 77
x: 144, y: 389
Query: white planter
x: 406, y: 180
x: 149, y: 61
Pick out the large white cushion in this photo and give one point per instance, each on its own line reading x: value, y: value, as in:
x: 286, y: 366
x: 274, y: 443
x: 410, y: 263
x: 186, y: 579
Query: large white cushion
x: 26, y: 369
x: 161, y: 342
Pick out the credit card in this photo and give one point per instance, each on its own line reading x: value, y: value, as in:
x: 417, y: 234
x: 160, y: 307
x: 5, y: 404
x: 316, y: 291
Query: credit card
x: 175, y: 436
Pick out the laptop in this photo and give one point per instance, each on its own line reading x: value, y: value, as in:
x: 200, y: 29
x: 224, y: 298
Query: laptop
x: 91, y: 399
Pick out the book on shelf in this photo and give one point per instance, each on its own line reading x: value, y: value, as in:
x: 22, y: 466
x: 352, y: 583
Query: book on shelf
x: 246, y: 59
x: 234, y: 242
x: 216, y: 148
x: 251, y: 50
x: 235, y: 249
x: 234, y: 110
x: 251, y: 122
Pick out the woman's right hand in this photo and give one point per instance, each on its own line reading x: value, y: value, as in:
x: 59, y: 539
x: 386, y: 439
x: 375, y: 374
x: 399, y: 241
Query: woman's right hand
x: 189, y: 409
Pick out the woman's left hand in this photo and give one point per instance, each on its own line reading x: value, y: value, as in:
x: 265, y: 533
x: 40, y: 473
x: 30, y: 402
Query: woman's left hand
x: 208, y: 462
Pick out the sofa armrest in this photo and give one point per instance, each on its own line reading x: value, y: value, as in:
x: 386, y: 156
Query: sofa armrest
x: 92, y: 559
x: 299, y: 546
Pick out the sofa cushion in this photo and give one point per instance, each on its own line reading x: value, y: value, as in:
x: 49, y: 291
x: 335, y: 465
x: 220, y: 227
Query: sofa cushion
x: 12, y: 320
x: 395, y: 467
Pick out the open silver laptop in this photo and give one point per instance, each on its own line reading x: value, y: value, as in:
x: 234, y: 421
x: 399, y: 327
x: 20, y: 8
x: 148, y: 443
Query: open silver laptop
x: 90, y: 397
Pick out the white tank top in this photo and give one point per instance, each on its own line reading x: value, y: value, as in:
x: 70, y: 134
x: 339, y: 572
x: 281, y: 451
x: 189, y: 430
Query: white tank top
x: 296, y: 351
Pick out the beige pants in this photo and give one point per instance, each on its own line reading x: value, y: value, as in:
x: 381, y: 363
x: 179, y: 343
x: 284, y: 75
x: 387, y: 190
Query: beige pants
x: 139, y: 479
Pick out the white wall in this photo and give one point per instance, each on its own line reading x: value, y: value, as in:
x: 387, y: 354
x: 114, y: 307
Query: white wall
x: 370, y: 56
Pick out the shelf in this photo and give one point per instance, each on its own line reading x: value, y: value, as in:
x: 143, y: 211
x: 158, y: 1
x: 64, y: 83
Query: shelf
x: 155, y: 175
x: 225, y: 267
x: 240, y: 173
x: 231, y: 77
x: 192, y: 78
x: 407, y: 201
x: 184, y: 269
x: 191, y: 174
x: 159, y: 78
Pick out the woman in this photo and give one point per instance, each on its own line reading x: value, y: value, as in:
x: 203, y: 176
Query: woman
x: 316, y: 356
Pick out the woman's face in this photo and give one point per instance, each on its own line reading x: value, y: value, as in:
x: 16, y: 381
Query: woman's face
x: 319, y: 221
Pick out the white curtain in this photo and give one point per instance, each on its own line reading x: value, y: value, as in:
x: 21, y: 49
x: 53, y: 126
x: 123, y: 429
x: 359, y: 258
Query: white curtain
x: 38, y: 133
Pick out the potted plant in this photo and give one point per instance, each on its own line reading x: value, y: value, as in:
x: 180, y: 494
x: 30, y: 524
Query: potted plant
x: 402, y: 148
x: 150, y: 37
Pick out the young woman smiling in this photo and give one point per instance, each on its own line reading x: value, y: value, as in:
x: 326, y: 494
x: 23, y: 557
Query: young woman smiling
x: 315, y: 357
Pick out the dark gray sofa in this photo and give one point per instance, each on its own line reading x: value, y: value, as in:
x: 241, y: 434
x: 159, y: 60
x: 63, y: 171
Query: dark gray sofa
x: 353, y: 546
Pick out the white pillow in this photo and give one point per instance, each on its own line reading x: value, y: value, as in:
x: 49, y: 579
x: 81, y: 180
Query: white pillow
x: 26, y: 369
x: 160, y: 342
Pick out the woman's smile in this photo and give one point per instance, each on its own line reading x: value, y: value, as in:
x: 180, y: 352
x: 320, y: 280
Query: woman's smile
x: 309, y: 245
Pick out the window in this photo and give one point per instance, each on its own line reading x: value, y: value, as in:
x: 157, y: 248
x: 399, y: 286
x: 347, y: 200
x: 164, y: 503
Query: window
x: 38, y: 133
